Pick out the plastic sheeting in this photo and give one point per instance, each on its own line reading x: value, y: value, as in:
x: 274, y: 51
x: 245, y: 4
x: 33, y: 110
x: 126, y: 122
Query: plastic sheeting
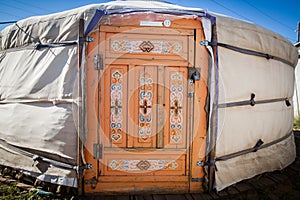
x: 38, y: 101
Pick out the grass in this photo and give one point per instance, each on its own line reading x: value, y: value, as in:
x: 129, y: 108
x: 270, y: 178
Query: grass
x: 296, y: 123
x: 13, y: 192
x: 8, y: 192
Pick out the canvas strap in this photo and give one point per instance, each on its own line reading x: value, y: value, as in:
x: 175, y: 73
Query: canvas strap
x: 246, y: 51
x: 259, y: 145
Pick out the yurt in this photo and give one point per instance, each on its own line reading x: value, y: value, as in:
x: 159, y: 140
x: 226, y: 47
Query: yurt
x: 145, y: 97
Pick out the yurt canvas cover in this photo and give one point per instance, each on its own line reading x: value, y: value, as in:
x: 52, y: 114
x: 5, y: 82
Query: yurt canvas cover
x: 297, y: 86
x: 41, y: 93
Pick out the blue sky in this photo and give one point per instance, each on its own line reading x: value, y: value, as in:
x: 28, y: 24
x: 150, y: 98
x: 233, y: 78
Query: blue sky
x: 276, y: 15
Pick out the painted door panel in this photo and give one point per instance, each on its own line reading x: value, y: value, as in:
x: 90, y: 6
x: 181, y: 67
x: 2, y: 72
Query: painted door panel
x: 132, y: 121
x: 144, y: 114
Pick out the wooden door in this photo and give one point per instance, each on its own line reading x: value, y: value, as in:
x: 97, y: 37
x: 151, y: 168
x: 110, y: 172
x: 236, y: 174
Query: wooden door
x: 144, y: 126
x: 141, y: 135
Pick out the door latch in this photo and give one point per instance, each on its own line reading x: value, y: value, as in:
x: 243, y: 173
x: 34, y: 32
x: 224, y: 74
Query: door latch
x: 98, y: 62
x: 194, y: 73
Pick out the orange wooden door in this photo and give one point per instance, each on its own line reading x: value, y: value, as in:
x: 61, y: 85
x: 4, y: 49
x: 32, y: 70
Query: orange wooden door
x: 144, y: 126
x: 141, y: 135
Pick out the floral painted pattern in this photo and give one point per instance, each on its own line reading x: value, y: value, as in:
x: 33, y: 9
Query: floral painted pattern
x: 116, y: 106
x: 142, y: 165
x: 176, y: 103
x: 136, y: 46
x: 145, y: 106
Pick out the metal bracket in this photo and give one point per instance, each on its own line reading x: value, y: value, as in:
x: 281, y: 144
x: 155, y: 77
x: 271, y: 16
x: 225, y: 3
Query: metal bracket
x: 97, y: 153
x: 252, y: 101
x: 288, y: 103
x: 208, y: 43
x: 190, y: 88
x: 98, y: 62
x: 199, y: 163
x: 90, y: 39
x: 80, y: 169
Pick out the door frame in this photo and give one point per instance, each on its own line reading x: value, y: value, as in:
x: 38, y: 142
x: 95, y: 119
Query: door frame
x: 198, y: 138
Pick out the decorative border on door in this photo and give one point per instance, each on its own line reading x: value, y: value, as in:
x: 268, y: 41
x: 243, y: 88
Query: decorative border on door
x: 145, y: 106
x: 116, y: 106
x: 142, y: 165
x: 140, y: 46
x: 176, y: 103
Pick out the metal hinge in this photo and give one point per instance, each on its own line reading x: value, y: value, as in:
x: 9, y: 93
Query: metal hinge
x: 92, y: 181
x: 98, y: 62
x: 197, y: 179
x: 97, y: 151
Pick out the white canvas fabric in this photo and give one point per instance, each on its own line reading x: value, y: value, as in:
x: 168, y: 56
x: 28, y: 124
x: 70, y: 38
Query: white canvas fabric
x: 296, y: 98
x: 251, y: 36
x: 241, y: 75
x: 247, y: 166
x: 39, y: 96
x: 46, y: 74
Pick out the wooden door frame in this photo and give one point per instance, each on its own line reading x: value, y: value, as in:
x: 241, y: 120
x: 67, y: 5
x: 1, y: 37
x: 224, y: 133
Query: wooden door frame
x: 196, y: 172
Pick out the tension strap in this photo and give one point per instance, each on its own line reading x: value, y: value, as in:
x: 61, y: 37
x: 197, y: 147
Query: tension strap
x: 246, y: 51
x: 39, y: 46
x: 252, y: 102
x: 259, y: 145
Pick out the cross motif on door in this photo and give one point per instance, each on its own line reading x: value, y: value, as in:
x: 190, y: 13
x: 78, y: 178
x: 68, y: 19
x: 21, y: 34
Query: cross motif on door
x: 145, y: 106
x: 116, y: 107
x: 176, y: 107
